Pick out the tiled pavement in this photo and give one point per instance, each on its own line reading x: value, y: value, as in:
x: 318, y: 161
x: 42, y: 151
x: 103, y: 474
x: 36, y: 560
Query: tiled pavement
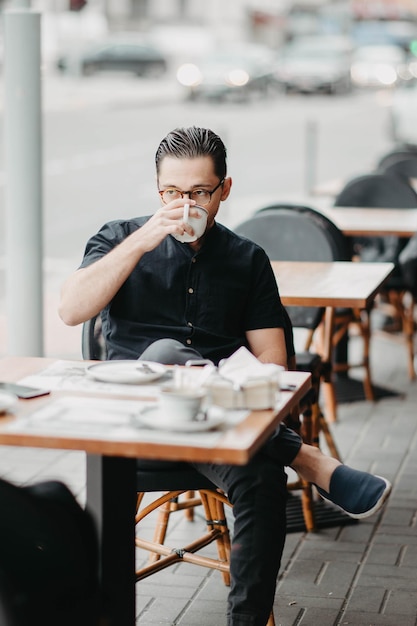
x: 363, y: 574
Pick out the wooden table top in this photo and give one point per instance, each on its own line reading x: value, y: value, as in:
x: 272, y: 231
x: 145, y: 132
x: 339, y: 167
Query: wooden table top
x: 373, y: 222
x: 334, y: 284
x: 236, y: 445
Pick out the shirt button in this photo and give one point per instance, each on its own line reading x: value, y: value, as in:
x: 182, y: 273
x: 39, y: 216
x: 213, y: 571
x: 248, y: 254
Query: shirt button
x: 190, y: 324
x: 188, y: 341
x: 190, y: 290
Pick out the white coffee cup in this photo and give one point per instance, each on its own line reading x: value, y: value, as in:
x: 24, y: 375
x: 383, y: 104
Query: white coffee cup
x: 181, y: 404
x: 198, y: 223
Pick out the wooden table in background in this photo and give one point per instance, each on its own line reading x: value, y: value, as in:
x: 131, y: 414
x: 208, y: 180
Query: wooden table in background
x: 373, y: 222
x: 330, y: 285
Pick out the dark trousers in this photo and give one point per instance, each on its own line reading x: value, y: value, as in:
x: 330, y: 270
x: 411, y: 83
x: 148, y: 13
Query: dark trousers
x: 258, y: 494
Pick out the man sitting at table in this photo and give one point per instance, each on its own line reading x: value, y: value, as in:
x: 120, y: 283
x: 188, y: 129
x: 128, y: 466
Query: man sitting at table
x: 167, y: 301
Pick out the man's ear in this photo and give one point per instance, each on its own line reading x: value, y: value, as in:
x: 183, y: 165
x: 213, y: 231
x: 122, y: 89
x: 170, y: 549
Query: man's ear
x: 227, y: 185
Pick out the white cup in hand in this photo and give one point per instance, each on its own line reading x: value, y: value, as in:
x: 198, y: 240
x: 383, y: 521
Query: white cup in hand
x: 181, y: 404
x: 198, y: 224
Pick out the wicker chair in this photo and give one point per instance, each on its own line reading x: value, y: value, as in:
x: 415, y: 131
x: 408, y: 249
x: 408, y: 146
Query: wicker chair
x: 179, y: 488
x: 174, y: 479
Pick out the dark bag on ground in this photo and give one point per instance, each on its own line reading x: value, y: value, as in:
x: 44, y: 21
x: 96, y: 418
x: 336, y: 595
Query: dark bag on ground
x: 48, y: 557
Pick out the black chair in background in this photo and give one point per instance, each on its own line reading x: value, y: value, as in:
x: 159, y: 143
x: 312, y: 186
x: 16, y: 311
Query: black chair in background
x: 299, y: 233
x: 376, y: 190
x: 408, y: 268
x: 408, y: 264
x: 379, y: 190
x: 404, y: 167
x: 398, y: 153
x: 292, y: 232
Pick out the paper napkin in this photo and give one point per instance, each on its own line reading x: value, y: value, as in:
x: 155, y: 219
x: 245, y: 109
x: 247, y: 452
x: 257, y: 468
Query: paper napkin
x: 242, y: 366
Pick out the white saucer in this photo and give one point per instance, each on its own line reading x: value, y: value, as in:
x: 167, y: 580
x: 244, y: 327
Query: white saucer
x: 7, y: 401
x: 129, y: 371
x: 151, y: 416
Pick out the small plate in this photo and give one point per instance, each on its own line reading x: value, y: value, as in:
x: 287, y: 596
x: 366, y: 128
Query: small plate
x: 152, y: 417
x: 129, y: 371
x: 7, y: 401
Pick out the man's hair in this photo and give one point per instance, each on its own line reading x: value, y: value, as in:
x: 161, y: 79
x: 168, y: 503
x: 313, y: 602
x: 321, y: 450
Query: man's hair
x: 192, y: 142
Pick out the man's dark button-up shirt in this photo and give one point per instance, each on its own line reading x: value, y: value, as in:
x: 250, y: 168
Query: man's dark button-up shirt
x: 206, y: 299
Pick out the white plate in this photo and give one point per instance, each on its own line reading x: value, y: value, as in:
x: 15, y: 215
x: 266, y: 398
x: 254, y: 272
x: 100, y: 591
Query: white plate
x: 151, y: 416
x: 131, y: 372
x: 7, y: 401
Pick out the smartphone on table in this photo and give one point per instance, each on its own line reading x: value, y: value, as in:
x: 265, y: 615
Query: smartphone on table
x: 23, y: 391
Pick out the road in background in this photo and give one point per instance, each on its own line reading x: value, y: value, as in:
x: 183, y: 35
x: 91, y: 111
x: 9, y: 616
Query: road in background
x: 101, y: 133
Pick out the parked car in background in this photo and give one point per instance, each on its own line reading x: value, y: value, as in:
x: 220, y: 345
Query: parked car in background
x: 378, y: 65
x: 403, y: 113
x: 116, y: 54
x: 315, y: 64
x: 384, y: 32
x: 232, y: 72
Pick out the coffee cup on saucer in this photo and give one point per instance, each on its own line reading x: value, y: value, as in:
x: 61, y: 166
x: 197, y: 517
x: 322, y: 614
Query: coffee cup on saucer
x: 198, y: 224
x: 181, y: 403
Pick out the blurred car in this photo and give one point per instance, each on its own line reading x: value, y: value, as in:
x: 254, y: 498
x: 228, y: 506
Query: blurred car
x: 315, y: 64
x: 118, y: 54
x: 378, y: 66
x: 232, y: 72
x: 403, y: 113
x: 384, y: 32
x: 317, y: 18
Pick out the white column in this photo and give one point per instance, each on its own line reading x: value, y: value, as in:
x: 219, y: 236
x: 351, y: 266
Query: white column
x: 23, y: 193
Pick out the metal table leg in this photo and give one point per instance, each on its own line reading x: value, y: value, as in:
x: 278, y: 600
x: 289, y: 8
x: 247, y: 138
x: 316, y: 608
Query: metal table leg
x: 111, y: 498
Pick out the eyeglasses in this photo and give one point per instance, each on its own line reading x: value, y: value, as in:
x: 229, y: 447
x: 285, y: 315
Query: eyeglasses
x: 201, y: 196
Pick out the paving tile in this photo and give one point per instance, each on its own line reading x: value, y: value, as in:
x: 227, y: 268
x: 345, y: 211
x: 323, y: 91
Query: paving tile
x: 342, y: 551
x: 368, y: 599
x: 401, y: 602
x: 318, y: 578
x: 393, y: 532
x: 398, y: 575
x: 359, y: 618
x: 403, y: 583
x: 400, y: 516
x: 204, y: 612
x: 397, y: 538
x: 161, y: 611
x: 389, y: 554
x: 302, y: 612
x: 357, y: 533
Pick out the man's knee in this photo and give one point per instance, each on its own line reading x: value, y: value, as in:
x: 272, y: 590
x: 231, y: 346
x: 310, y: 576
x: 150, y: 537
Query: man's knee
x: 260, y: 480
x: 283, y: 446
x: 169, y: 352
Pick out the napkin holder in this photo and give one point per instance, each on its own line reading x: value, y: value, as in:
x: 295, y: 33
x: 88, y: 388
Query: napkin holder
x: 254, y: 394
x: 241, y: 382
